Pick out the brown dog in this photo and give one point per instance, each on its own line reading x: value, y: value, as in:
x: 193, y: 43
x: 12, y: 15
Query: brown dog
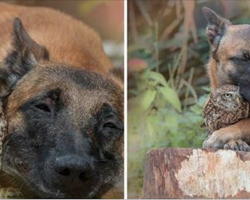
x: 229, y: 64
x: 63, y: 107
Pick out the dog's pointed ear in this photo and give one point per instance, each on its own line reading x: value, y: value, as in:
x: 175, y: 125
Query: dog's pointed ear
x: 216, y: 26
x: 25, y: 45
x: 24, y: 55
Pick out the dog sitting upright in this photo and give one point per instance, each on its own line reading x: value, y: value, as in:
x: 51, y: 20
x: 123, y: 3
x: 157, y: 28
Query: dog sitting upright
x: 63, y: 107
x: 229, y: 64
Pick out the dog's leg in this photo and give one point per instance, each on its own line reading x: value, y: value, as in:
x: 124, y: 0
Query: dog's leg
x: 236, y: 137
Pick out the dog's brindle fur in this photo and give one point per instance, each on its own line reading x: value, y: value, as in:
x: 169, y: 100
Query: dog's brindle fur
x: 229, y: 64
x: 64, y: 109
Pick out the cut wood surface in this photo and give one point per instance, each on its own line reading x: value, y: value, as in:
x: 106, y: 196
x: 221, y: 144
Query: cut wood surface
x: 196, y: 173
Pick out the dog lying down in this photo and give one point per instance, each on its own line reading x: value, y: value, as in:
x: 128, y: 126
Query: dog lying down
x: 63, y: 107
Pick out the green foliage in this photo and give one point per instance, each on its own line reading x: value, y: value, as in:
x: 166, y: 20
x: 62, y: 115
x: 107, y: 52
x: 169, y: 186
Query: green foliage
x: 156, y: 114
x: 156, y: 119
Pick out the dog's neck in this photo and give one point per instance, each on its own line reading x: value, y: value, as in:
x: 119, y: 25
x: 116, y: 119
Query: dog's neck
x: 212, y: 73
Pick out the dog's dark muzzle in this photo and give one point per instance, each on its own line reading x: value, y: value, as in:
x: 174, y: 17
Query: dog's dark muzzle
x: 72, y: 175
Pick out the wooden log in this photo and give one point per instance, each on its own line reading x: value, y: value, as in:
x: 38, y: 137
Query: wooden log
x: 196, y: 173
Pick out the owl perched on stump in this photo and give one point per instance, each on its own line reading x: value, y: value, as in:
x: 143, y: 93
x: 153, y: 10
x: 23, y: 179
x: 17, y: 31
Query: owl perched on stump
x: 224, y: 107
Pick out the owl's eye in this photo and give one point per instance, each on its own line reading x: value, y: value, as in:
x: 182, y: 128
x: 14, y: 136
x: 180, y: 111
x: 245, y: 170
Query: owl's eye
x: 228, y: 95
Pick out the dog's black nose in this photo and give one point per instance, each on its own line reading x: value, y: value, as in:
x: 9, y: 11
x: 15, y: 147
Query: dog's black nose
x: 72, y: 169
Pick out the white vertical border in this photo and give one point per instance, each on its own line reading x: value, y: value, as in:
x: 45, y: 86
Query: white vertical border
x: 125, y: 99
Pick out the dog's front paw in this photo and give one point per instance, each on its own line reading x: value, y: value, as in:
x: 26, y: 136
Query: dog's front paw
x: 238, y: 145
x: 226, y: 139
x: 223, y: 138
x: 214, y: 141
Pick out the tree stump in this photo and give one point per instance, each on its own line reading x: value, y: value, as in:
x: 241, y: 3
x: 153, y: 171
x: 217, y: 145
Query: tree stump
x: 196, y: 173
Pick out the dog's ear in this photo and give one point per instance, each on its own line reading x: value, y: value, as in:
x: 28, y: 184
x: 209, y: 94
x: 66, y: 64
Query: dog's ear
x: 24, y: 55
x: 216, y: 26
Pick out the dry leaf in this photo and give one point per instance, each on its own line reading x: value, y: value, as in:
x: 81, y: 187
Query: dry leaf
x: 137, y: 65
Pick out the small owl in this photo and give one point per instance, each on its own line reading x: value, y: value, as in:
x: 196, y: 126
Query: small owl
x: 224, y: 107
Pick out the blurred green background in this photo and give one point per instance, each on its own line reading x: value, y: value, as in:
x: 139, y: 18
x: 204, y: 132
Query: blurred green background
x: 168, y: 84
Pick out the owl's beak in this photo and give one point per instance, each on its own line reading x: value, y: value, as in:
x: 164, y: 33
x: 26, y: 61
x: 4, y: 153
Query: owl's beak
x: 238, y: 100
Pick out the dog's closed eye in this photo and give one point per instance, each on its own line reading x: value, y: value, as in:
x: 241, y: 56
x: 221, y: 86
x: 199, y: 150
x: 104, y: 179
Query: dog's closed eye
x: 243, y: 56
x: 45, y: 104
x: 43, y: 107
x: 109, y: 125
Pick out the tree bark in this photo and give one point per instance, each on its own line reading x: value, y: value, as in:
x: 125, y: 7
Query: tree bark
x: 196, y: 173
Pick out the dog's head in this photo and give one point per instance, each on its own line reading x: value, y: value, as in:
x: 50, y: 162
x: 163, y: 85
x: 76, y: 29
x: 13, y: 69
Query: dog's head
x: 230, y: 49
x: 65, y: 125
